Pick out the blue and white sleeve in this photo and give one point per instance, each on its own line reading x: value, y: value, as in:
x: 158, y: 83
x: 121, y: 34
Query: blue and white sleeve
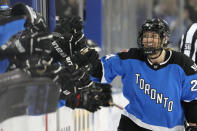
x: 112, y: 66
x: 189, y: 90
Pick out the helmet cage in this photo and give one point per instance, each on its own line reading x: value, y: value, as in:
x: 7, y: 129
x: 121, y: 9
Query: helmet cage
x: 156, y: 25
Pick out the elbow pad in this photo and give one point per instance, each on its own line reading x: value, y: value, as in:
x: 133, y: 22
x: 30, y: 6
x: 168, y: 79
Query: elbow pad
x: 190, y: 110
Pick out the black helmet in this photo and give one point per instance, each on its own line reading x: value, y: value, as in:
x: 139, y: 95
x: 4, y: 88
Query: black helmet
x: 155, y: 25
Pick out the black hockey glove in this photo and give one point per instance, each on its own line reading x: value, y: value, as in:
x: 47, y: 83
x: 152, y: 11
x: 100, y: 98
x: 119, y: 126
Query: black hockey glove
x: 34, y: 19
x: 39, y: 65
x: 75, y: 23
x: 61, y: 51
x: 66, y: 27
x: 78, y: 43
x: 26, y: 43
x: 70, y: 28
x: 63, y: 45
x: 60, y: 48
x: 103, y: 94
x: 88, y: 61
x: 68, y: 24
x: 36, y: 42
x: 68, y: 80
x: 20, y: 47
x: 91, y: 98
x: 84, y: 59
x: 82, y: 100
x: 73, y: 80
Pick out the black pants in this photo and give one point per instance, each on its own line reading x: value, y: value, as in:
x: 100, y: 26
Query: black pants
x: 127, y: 124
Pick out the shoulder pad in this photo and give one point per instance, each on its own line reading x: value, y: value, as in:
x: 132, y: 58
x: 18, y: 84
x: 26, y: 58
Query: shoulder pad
x: 187, y: 64
x: 133, y: 53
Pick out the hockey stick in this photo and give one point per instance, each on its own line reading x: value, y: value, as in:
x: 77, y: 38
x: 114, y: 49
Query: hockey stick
x: 116, y: 105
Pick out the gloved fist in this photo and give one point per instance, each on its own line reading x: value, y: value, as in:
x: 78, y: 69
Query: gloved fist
x: 68, y: 44
x: 59, y: 46
x: 23, y: 45
x: 70, y: 80
x: 68, y: 24
x: 82, y: 100
x: 70, y: 28
x: 36, y: 42
x: 41, y: 66
x: 75, y: 23
x: 78, y: 42
x: 90, y: 98
x: 88, y: 57
x: 32, y: 17
x: 102, y: 92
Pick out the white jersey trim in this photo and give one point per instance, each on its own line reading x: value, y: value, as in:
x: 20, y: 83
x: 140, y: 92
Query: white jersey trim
x: 181, y: 45
x: 189, y: 37
x: 162, y: 62
x: 151, y: 127
x: 195, y: 48
x: 190, y: 33
x: 103, y: 80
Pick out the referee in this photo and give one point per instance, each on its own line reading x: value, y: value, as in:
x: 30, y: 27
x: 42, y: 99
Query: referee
x: 188, y: 44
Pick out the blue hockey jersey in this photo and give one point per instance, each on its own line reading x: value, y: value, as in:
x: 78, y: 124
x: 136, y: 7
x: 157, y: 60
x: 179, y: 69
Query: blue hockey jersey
x: 154, y: 91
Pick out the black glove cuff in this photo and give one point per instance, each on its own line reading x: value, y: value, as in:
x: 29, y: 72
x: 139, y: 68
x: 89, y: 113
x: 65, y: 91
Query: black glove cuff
x: 71, y: 100
x: 191, y: 128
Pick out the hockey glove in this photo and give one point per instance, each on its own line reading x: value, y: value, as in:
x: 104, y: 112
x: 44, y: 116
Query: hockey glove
x: 75, y: 23
x: 70, y: 28
x: 67, y: 79
x: 88, y: 61
x: 103, y: 94
x: 21, y: 47
x: 68, y: 24
x: 34, y: 19
x: 60, y: 48
x: 73, y: 80
x: 35, y: 42
x: 66, y: 27
x: 91, y: 98
x: 78, y: 43
x: 82, y: 100
x: 40, y: 66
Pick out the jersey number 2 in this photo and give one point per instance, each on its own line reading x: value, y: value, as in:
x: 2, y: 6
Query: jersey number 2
x: 194, y: 83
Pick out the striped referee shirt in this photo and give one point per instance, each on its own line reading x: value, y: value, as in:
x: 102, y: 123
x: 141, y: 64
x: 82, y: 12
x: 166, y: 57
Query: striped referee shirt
x: 189, y: 42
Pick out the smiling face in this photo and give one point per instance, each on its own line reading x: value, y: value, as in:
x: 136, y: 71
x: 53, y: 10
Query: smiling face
x: 151, y: 40
x: 152, y: 43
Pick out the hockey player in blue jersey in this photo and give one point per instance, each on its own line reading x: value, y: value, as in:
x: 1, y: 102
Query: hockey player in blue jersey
x: 160, y: 84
